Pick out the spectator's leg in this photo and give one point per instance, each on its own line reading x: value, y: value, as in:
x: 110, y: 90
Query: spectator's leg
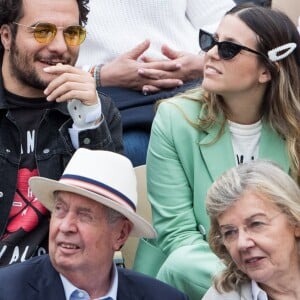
x: 136, y: 145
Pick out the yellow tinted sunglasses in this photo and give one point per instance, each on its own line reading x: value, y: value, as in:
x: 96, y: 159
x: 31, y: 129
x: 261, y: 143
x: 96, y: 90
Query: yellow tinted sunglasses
x: 45, y: 33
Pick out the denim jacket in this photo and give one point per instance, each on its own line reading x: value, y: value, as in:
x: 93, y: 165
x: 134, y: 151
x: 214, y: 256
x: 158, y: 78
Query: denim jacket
x: 53, y: 145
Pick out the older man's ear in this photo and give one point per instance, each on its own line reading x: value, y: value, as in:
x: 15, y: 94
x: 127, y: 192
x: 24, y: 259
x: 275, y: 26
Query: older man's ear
x: 125, y: 228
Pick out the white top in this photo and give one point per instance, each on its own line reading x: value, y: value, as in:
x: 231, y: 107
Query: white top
x: 248, y: 291
x: 257, y: 292
x: 116, y: 26
x: 69, y: 288
x: 245, y: 141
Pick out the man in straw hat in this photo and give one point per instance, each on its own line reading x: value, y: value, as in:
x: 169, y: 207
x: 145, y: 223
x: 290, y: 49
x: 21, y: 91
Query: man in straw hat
x: 93, y: 213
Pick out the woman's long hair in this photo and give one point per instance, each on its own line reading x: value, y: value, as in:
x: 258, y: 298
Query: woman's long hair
x: 281, y: 106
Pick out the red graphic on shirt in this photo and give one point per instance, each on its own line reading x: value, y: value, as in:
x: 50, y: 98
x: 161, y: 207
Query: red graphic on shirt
x: 26, y: 209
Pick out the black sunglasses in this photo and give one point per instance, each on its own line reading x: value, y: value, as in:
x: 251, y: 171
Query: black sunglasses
x: 226, y: 50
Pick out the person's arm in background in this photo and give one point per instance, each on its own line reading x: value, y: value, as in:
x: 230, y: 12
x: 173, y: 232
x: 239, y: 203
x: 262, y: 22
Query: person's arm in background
x: 123, y: 71
x: 200, y: 14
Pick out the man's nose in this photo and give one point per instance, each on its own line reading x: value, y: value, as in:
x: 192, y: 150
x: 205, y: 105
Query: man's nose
x: 58, y: 44
x: 68, y: 223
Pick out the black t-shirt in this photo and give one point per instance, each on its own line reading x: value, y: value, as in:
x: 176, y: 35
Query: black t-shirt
x: 26, y: 233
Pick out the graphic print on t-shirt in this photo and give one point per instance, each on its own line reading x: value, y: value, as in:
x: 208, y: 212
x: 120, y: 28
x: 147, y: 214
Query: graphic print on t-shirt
x: 26, y: 232
x: 245, y: 141
x: 240, y: 158
x: 26, y: 209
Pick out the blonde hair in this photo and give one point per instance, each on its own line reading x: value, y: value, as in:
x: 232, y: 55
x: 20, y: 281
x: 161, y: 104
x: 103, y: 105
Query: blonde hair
x: 263, y: 178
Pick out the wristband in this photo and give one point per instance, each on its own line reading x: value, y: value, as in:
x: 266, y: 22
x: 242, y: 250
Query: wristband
x: 97, y: 74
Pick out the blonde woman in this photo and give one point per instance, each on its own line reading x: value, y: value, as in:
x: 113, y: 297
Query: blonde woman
x: 255, y: 230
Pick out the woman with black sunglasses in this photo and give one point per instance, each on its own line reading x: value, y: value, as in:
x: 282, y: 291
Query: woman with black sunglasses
x: 247, y: 108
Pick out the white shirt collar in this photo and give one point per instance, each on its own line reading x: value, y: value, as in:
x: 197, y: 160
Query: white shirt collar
x: 257, y: 292
x: 69, y: 288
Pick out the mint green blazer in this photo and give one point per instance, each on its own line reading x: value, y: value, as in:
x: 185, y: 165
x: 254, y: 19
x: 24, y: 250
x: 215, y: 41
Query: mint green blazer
x: 181, y: 166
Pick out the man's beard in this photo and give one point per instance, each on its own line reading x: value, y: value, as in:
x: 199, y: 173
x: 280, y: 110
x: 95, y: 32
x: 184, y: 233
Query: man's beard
x: 22, y: 67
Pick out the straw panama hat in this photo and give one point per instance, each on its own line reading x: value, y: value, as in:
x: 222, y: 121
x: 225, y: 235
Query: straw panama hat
x: 103, y: 176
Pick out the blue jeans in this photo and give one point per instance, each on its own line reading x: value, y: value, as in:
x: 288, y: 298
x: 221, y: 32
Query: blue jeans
x: 136, y: 145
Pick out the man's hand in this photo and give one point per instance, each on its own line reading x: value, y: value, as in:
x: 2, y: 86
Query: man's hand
x: 134, y: 71
x: 190, y: 67
x: 71, y: 83
x: 123, y: 71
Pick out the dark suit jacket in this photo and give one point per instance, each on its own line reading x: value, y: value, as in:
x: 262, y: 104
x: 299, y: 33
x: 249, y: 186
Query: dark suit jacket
x: 37, y: 279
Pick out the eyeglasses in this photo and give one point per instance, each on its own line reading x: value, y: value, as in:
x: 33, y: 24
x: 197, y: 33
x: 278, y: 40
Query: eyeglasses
x: 226, y: 50
x: 45, y: 33
x: 255, y: 226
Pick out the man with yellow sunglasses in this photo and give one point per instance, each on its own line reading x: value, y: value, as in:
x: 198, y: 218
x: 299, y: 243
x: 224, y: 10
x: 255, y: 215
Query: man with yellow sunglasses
x: 48, y: 109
